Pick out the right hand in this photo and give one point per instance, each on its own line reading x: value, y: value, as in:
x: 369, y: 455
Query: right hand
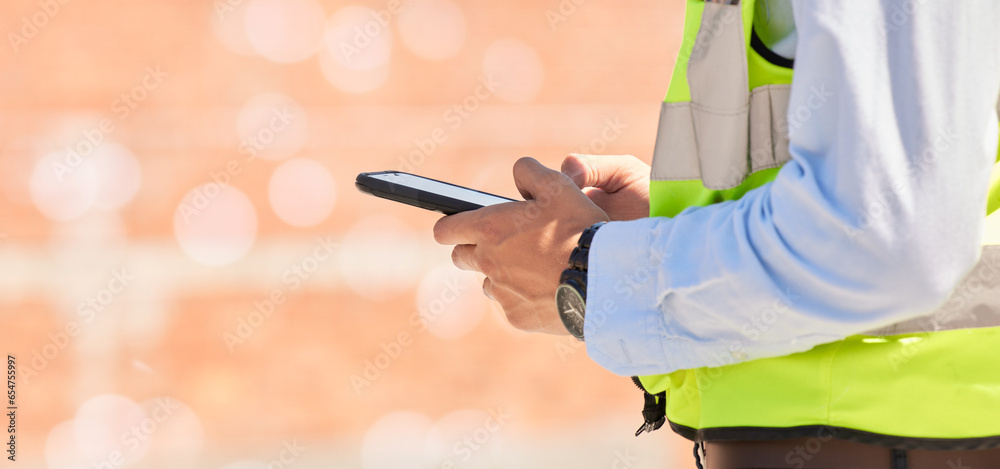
x: 617, y: 184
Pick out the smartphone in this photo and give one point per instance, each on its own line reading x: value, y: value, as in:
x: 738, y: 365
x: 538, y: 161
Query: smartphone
x: 426, y: 193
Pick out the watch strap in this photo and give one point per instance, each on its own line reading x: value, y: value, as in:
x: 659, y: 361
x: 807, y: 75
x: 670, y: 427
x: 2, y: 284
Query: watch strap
x: 578, y: 259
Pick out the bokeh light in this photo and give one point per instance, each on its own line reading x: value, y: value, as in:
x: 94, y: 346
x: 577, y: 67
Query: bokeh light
x: 119, y: 176
x: 357, y: 50
x: 302, y: 192
x: 380, y: 257
x: 467, y: 438
x: 228, y: 25
x: 108, y: 425
x: 396, y: 440
x: 432, y: 29
x: 284, y: 31
x: 517, y: 67
x: 63, y: 187
x: 176, y: 432
x: 357, y: 40
x: 272, y: 126
x: 62, y: 450
x: 215, y: 225
x: 450, y: 301
x: 351, y: 80
x: 213, y: 183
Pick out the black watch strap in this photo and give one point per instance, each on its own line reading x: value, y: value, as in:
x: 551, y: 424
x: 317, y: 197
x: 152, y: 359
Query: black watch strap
x: 571, y: 294
x: 579, y: 258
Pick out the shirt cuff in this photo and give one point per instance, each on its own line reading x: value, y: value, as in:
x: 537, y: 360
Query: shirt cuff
x: 623, y: 326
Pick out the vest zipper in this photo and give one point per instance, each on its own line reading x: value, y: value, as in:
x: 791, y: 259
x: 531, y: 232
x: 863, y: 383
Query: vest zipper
x: 654, y: 411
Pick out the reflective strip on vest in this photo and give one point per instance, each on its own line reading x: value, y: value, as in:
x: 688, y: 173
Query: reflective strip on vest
x: 715, y: 147
x: 725, y: 132
x: 973, y: 303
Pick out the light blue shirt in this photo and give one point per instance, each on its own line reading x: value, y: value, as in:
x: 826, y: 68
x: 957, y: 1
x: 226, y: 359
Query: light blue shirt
x: 874, y: 221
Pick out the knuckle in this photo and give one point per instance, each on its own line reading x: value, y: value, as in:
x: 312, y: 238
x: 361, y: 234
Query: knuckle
x: 522, y: 162
x: 489, y: 230
x: 570, y: 164
x: 488, y: 267
x: 552, y: 182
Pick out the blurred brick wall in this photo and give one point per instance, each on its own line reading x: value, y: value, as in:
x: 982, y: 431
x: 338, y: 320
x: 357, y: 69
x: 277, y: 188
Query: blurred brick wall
x: 223, y: 73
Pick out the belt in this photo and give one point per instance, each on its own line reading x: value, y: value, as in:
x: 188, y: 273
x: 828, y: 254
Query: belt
x: 815, y: 453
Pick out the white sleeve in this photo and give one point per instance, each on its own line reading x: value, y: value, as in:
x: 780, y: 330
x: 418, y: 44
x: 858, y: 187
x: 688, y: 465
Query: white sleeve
x: 874, y: 221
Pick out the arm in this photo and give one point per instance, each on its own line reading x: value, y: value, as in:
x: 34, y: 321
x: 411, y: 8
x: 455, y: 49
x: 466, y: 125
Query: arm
x: 874, y: 221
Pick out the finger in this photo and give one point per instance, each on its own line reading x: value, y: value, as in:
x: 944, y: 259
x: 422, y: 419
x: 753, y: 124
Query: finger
x: 576, y: 169
x: 599, y: 198
x: 460, y: 228
x: 533, y: 179
x: 608, y: 172
x: 464, y: 257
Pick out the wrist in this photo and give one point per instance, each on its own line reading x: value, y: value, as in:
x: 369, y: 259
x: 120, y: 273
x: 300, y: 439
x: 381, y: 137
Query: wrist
x: 571, y: 294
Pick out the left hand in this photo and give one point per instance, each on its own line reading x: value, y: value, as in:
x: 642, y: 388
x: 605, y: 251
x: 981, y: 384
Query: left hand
x: 522, y: 247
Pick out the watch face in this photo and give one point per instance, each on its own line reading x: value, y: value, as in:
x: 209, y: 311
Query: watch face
x: 571, y: 309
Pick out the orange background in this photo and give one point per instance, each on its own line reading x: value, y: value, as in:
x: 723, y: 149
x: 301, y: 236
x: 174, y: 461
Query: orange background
x: 569, y: 72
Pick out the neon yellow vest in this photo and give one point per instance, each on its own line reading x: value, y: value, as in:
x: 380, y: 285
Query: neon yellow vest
x: 930, y: 383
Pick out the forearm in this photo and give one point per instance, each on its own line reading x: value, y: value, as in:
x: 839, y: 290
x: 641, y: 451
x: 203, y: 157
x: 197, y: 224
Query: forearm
x: 874, y: 220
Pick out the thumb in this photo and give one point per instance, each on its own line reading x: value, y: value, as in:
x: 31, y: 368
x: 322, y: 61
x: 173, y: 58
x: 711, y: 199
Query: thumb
x: 534, y: 179
x: 576, y: 168
x: 609, y: 173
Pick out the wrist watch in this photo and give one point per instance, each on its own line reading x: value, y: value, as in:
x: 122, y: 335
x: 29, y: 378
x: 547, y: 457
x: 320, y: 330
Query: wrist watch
x: 571, y: 294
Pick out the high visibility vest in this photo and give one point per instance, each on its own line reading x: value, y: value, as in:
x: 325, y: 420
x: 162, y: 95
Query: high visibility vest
x: 931, y: 382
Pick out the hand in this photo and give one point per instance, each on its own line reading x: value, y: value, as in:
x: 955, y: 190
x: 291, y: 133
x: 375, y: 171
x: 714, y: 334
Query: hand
x: 617, y: 184
x: 522, y: 247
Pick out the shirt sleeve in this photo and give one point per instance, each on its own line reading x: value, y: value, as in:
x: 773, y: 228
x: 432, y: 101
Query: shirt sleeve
x: 879, y: 214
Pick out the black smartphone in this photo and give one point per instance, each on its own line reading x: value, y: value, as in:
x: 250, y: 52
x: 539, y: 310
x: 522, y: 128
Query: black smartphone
x: 426, y: 193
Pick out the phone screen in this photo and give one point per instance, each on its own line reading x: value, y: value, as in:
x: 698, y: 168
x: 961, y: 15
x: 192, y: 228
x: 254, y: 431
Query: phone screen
x: 441, y: 188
